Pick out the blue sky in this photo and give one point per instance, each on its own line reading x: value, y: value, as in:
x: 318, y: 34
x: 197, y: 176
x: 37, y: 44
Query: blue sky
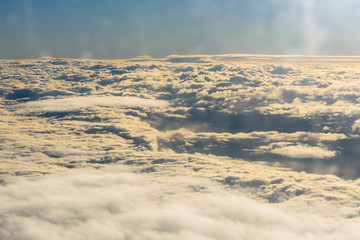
x: 129, y: 28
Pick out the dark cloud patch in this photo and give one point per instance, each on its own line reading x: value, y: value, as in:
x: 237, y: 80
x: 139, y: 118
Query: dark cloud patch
x: 247, y: 147
x: 148, y: 170
x: 216, y: 68
x: 153, y: 66
x: 280, y: 194
x: 162, y: 161
x: 139, y: 141
x: 196, y: 86
x: 23, y: 95
x: 82, y: 116
x: 73, y: 78
x: 217, y: 121
x: 288, y: 95
x: 184, y: 76
x: 27, y: 65
x: 54, y: 93
x: 281, y: 70
x: 118, y: 72
x: 99, y: 67
x: 224, y: 85
x: 342, y: 165
x: 132, y: 67
x: 54, y: 154
x: 58, y: 62
x: 58, y: 114
x: 83, y: 89
x: 350, y: 97
x: 135, y: 162
x: 106, y: 160
x: 106, y: 82
x: 186, y: 69
x: 244, y: 81
x: 306, y: 82
x: 236, y: 148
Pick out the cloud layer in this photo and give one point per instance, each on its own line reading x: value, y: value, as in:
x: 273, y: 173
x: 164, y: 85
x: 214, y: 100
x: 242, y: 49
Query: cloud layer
x: 76, y: 103
x: 120, y: 204
x: 217, y: 147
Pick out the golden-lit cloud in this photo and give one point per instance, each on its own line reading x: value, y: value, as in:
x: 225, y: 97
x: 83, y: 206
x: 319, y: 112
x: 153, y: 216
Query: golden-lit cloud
x: 135, y: 141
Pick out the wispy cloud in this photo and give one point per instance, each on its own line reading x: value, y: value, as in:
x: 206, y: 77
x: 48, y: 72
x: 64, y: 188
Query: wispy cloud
x: 299, y: 150
x: 75, y: 103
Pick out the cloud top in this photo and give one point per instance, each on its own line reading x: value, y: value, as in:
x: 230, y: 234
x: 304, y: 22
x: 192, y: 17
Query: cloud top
x: 251, y: 127
x: 75, y: 103
x: 303, y: 151
x: 120, y: 204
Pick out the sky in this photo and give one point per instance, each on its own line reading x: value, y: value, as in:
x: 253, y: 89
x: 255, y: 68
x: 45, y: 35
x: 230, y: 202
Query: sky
x: 199, y: 138
x: 112, y: 29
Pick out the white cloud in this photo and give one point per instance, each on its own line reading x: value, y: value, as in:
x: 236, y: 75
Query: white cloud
x: 299, y: 150
x: 119, y: 204
x: 308, y: 112
x: 75, y: 103
x: 356, y: 125
x: 298, y: 108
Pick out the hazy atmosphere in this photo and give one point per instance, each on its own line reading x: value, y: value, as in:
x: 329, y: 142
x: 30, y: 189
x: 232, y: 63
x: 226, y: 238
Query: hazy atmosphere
x: 113, y: 29
x: 179, y: 119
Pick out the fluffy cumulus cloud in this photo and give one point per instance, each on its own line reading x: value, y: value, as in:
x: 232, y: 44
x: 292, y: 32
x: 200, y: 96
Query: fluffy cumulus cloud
x: 356, y: 126
x: 183, y: 147
x: 120, y: 204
